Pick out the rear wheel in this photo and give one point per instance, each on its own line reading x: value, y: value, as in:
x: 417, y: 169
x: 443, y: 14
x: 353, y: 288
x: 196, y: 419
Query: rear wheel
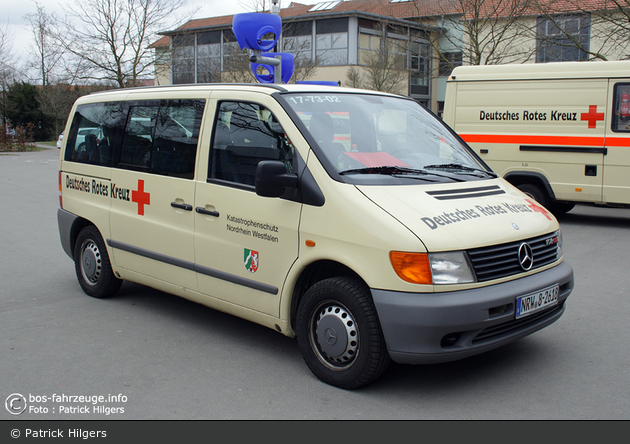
x: 561, y: 207
x: 92, y: 265
x: 339, y: 333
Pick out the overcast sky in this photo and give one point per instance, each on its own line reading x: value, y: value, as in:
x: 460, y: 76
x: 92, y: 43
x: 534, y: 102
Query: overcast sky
x: 13, y: 12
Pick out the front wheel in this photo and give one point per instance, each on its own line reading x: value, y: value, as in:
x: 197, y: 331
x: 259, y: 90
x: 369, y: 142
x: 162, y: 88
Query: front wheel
x: 339, y: 334
x: 535, y: 193
x: 92, y: 265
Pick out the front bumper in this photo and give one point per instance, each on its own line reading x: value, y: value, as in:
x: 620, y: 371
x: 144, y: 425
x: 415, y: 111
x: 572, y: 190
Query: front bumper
x: 425, y: 328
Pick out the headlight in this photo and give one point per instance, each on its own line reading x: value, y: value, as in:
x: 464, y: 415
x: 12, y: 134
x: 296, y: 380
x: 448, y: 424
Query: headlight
x: 451, y: 268
x: 432, y: 268
x: 559, y: 251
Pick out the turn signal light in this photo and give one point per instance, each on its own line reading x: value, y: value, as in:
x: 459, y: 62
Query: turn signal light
x: 60, y: 198
x: 412, y: 267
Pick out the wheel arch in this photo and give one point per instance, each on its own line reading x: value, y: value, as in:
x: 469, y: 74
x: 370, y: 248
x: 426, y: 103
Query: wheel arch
x: 517, y: 178
x: 313, y: 273
x: 79, y: 224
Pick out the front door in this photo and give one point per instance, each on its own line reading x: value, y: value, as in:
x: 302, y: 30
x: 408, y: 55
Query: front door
x: 244, y: 243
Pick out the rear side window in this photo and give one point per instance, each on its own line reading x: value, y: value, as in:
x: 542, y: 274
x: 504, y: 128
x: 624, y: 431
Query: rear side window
x: 161, y: 137
x: 158, y: 137
x: 93, y: 133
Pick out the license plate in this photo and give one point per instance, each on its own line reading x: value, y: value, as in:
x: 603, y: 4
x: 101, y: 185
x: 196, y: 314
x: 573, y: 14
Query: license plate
x: 535, y: 302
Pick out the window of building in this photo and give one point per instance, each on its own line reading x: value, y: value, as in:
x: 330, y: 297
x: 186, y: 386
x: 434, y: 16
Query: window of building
x: 183, y: 47
x: 235, y: 59
x: 420, y: 68
x: 332, y: 41
x: 209, y: 57
x: 448, y: 61
x: 556, y: 35
x: 297, y: 38
x: 397, y: 52
x: 245, y: 134
x: 369, y: 47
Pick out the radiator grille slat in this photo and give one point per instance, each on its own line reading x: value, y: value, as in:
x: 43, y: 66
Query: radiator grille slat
x: 498, y: 261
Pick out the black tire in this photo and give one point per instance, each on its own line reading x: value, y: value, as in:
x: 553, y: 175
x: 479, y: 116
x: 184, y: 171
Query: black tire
x: 339, y: 334
x: 559, y: 208
x: 535, y: 193
x: 92, y: 265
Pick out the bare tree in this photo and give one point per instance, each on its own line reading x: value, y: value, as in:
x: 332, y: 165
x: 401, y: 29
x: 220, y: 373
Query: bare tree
x: 485, y: 31
x: 384, y: 68
x: 47, y: 54
x: 598, y: 30
x: 255, y: 5
x: 305, y: 65
x: 236, y: 67
x: 55, y: 101
x: 7, y: 70
x: 110, y: 38
x: 616, y: 13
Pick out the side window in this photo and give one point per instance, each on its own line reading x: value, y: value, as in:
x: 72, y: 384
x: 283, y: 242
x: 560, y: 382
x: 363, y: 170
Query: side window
x: 161, y: 138
x: 176, y: 136
x: 138, y: 137
x: 93, y: 133
x: 245, y: 134
x: 621, y: 108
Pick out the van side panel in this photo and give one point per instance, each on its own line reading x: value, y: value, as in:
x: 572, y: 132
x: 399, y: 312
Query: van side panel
x: 85, y: 191
x: 553, y: 128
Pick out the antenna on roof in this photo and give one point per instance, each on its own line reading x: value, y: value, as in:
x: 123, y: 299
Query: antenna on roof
x: 275, y: 6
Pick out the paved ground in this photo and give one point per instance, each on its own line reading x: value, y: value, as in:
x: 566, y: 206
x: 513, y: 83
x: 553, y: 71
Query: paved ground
x: 173, y: 359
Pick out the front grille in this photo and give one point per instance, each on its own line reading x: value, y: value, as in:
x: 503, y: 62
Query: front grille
x: 499, y: 261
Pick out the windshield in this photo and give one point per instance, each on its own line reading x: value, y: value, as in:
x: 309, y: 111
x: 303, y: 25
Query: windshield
x: 362, y: 134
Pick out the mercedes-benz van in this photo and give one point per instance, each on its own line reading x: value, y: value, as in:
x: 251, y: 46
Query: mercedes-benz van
x: 382, y: 237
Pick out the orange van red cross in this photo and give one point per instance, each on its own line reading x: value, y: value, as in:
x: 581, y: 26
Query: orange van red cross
x: 592, y: 116
x: 141, y: 197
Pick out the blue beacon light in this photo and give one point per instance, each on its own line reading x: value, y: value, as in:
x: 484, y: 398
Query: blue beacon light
x: 249, y: 29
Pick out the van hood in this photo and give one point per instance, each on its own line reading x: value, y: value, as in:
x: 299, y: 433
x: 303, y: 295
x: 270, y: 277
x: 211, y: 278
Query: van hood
x: 464, y: 215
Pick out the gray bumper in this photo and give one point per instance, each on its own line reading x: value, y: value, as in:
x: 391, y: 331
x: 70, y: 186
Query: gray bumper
x: 425, y: 328
x: 65, y: 220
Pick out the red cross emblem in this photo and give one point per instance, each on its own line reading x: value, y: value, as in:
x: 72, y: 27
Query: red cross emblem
x: 592, y: 116
x: 141, y: 197
x: 538, y: 209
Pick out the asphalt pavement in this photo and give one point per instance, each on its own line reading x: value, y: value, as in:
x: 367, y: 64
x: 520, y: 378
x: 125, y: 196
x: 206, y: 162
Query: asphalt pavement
x: 155, y: 356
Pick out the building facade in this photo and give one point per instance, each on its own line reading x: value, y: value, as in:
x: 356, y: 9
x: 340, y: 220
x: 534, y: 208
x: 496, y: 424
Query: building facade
x: 403, y: 46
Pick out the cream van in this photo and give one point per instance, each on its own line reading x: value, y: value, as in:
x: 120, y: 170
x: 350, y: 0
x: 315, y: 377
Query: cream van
x: 389, y: 240
x: 560, y: 132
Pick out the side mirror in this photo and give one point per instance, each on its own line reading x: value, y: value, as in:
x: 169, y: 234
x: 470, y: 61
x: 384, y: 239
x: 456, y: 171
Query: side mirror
x: 272, y: 178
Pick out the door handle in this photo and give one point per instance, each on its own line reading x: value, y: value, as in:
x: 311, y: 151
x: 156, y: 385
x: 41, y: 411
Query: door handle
x: 185, y: 207
x: 202, y: 210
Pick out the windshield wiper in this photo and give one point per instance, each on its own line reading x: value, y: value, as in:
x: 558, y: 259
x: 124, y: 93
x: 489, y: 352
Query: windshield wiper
x: 457, y: 166
x: 398, y: 171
